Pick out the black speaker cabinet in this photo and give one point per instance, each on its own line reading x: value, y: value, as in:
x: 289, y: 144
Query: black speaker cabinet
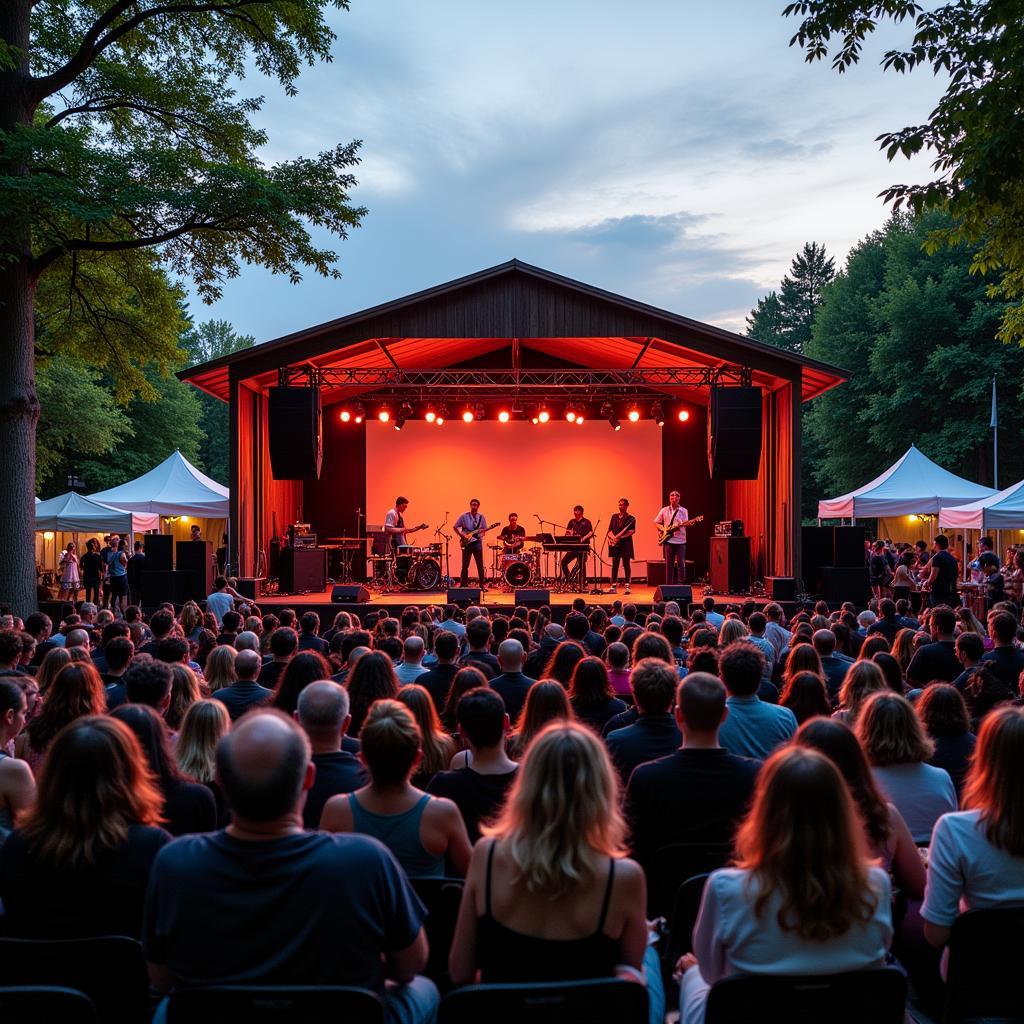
x: 250, y: 587
x: 464, y: 596
x: 195, y: 557
x: 677, y: 592
x: 734, y: 433
x: 845, y: 583
x: 159, y: 549
x: 655, y: 573
x: 780, y: 588
x: 817, y: 549
x: 302, y: 570
x: 294, y: 433
x: 354, y: 594
x: 849, y: 546
x: 159, y: 585
x: 730, y: 565
x: 533, y: 598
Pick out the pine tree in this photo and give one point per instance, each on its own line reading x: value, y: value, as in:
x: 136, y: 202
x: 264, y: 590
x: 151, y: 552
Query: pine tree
x: 765, y: 322
x: 801, y: 292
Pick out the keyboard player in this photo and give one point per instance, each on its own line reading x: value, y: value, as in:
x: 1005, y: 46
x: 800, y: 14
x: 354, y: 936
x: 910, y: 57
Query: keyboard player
x: 582, y: 529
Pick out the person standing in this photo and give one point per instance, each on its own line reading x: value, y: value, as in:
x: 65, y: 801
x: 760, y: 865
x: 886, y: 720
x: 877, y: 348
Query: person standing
x: 470, y: 527
x: 69, y: 579
x: 91, y: 565
x: 394, y: 523
x: 136, y: 564
x: 620, y: 543
x: 105, y: 555
x: 674, y: 545
x: 117, y: 572
x: 941, y: 582
x: 583, y: 530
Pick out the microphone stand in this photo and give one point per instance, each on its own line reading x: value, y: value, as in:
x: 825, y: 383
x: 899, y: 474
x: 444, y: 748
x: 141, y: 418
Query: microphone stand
x: 447, y: 564
x: 596, y: 588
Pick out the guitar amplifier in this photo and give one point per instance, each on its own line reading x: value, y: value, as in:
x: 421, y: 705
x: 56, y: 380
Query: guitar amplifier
x: 729, y: 528
x: 304, y: 540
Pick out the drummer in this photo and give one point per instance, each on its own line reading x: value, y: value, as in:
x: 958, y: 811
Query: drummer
x: 512, y: 536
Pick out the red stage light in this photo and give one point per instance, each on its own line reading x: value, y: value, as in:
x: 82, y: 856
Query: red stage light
x: 345, y: 416
x: 683, y: 415
x: 467, y: 416
x: 503, y: 416
x: 431, y: 415
x: 633, y: 415
x: 543, y: 415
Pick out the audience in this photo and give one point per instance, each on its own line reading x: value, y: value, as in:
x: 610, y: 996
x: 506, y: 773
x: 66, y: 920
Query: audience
x: 244, y: 693
x: 591, y: 694
x: 437, y: 680
x: 438, y: 748
x: 805, y: 695
x: 511, y: 684
x: 17, y: 786
x: 205, y: 723
x: 753, y: 727
x: 372, y: 679
x: 546, y: 702
x: 863, y: 679
x: 936, y: 661
x: 943, y: 714
x: 833, y: 667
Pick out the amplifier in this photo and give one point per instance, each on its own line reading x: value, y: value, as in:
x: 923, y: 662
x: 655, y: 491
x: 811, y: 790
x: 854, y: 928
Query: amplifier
x: 304, y: 540
x: 729, y: 528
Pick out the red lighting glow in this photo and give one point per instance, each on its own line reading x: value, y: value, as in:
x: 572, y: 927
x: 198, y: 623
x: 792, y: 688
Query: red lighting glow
x: 345, y: 416
x: 503, y: 416
x: 683, y: 415
x: 467, y: 416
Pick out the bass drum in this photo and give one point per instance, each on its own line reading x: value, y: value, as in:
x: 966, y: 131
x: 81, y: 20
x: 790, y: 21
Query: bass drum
x: 518, y: 573
x: 425, y: 575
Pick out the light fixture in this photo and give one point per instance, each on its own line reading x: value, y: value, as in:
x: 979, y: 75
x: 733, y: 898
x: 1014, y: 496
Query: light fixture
x: 184, y: 519
x: 543, y: 415
x: 504, y: 416
x: 404, y: 413
x: 467, y: 415
x: 384, y: 414
x: 683, y: 415
x: 358, y: 412
x: 479, y: 411
x: 658, y: 413
x: 633, y: 415
x: 442, y: 415
x: 608, y: 413
x: 581, y: 414
x: 431, y: 414
x: 570, y: 413
x: 345, y: 415
x: 48, y: 535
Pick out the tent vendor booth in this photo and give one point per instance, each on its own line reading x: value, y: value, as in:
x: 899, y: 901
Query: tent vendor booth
x: 1001, y: 516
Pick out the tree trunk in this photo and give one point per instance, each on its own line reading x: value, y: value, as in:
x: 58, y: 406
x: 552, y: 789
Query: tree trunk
x: 19, y: 403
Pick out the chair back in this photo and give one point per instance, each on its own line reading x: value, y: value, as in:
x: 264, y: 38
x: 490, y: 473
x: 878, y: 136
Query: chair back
x: 684, y: 916
x: 442, y: 898
x: 46, y: 1003
x: 879, y: 996
x: 984, y: 957
x: 276, y: 1004
x: 672, y: 865
x: 109, y: 969
x: 566, y: 1002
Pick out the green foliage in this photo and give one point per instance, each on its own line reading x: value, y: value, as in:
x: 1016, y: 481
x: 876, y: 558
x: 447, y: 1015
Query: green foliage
x: 765, y: 322
x: 974, y: 132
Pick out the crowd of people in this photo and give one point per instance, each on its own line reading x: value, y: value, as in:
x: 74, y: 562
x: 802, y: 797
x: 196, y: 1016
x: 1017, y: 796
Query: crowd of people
x: 256, y: 797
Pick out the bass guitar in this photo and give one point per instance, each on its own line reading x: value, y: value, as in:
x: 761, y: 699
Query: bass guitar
x: 664, y: 532
x: 471, y: 536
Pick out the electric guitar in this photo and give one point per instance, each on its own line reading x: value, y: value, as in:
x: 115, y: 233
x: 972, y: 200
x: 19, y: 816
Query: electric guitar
x: 665, y: 532
x: 468, y: 537
x: 407, y: 531
x: 615, y: 539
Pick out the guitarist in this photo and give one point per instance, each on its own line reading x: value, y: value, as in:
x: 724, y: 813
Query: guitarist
x: 620, y: 543
x: 675, y: 544
x: 471, y: 526
x: 394, y: 523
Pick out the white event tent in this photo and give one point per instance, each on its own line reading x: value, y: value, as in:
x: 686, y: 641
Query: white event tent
x: 174, y: 488
x: 1002, y: 511
x: 75, y: 513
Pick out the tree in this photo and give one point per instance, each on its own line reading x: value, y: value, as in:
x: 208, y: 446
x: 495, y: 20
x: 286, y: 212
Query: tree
x: 765, y: 322
x: 974, y: 133
x: 122, y: 138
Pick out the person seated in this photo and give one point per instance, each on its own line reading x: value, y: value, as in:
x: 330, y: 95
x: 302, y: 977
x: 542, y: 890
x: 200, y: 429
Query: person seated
x: 753, y: 728
x: 1005, y: 660
x: 550, y: 894
x: 943, y: 714
x: 936, y: 660
x: 478, y: 642
x: 546, y: 702
x: 437, y: 680
x: 976, y: 856
x: 833, y: 668
x: 591, y: 694
x: 969, y: 650
x: 761, y: 917
x: 244, y: 693
x: 231, y: 623
x: 895, y: 744
x: 78, y: 862
x: 420, y: 830
x: 411, y: 666
x: 333, y: 910
x: 480, y: 776
x: 17, y: 786
x: 437, y: 746
x: 617, y: 657
x: 309, y: 638
x: 888, y: 624
x: 699, y: 793
x: 511, y: 683
x: 283, y: 643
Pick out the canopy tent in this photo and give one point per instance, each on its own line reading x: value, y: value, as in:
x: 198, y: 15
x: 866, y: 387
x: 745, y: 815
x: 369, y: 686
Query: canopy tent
x: 174, y: 488
x: 75, y: 513
x: 1002, y: 511
x: 913, y: 485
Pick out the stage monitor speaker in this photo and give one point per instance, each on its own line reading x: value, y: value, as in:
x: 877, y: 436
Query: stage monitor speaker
x: 734, y: 433
x: 780, y: 588
x: 849, y: 546
x: 195, y: 557
x: 677, y: 592
x: 159, y: 585
x: 845, y: 583
x: 532, y: 598
x: 730, y: 565
x: 302, y: 570
x: 817, y: 549
x: 655, y: 572
x: 354, y: 594
x: 464, y: 596
x: 294, y: 433
x: 159, y: 549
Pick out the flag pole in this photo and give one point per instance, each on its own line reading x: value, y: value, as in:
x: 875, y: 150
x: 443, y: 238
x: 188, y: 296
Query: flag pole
x: 994, y: 424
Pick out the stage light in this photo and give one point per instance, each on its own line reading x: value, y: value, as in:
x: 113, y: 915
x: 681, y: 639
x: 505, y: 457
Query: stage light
x: 608, y: 413
x: 658, y: 414
x: 358, y: 412
x: 504, y: 416
x: 614, y: 424
x: 384, y: 414
x: 479, y: 411
x: 683, y: 415
x: 442, y: 415
x: 570, y: 413
x: 633, y: 415
x: 399, y: 423
x: 344, y: 416
x: 467, y: 416
x: 543, y: 415
x: 431, y: 414
x: 579, y: 419
x: 406, y: 412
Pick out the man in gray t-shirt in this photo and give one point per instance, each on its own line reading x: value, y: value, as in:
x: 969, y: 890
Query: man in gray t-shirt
x: 470, y: 527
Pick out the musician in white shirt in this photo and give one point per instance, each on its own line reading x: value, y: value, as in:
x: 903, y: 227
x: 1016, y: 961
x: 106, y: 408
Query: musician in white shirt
x: 675, y: 545
x: 394, y: 523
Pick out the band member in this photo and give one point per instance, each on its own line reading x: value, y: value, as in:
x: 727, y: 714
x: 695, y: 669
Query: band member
x: 513, y: 536
x: 471, y: 526
x: 675, y: 546
x: 394, y: 523
x: 620, y: 543
x: 581, y: 528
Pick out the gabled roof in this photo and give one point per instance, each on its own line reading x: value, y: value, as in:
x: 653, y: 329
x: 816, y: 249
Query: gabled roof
x: 75, y: 513
x: 484, y: 312
x: 1002, y: 511
x: 174, y: 488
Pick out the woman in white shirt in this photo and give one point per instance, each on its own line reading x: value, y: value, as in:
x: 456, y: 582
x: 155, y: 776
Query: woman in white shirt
x: 897, y: 747
x: 804, y: 897
x: 976, y: 858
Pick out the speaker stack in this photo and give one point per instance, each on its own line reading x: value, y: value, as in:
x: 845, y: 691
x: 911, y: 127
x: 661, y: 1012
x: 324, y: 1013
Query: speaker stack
x: 532, y: 598
x: 302, y: 570
x: 833, y: 563
x: 194, y: 558
x: 294, y: 433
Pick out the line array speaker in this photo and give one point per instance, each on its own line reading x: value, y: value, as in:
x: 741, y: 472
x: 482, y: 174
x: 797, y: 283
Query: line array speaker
x: 734, y: 433
x: 159, y: 549
x: 294, y: 433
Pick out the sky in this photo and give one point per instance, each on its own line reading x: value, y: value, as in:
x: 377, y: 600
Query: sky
x: 678, y: 153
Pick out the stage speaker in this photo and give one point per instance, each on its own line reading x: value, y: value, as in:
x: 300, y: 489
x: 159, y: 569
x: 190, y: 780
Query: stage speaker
x: 845, y: 583
x: 250, y: 587
x: 780, y: 588
x: 302, y: 570
x: 849, y: 546
x: 817, y: 549
x: 159, y: 585
x: 730, y: 565
x: 734, y: 433
x: 354, y: 594
x: 195, y: 557
x: 533, y: 598
x: 655, y: 573
x: 677, y: 592
x: 463, y: 596
x: 159, y: 549
x: 294, y: 433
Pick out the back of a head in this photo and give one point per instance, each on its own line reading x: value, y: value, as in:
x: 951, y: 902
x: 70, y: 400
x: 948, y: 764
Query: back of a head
x: 231, y: 621
x: 247, y: 641
x: 653, y: 683
x: 546, y: 701
x: 283, y: 642
x: 652, y: 645
x: 943, y: 621
x: 709, y: 604
x: 757, y: 622
x: 971, y: 646
x: 161, y: 623
x: 323, y: 707
x: 147, y: 681
x: 576, y: 626
x: 372, y: 678
x: 942, y: 710
x: 1002, y: 627
x: 824, y: 641
x: 247, y: 665
x: 10, y: 646
x: 993, y: 783
x: 310, y: 623
x: 478, y: 632
x: 172, y: 649
x: 76, y: 638
x: 741, y: 667
x: 617, y: 655
x: 862, y: 680
x: 890, y: 731
x: 305, y: 668
x: 672, y: 630
x: 413, y: 648
x: 151, y: 731
x: 481, y: 717
x: 701, y: 701
x: 887, y: 608
x: 511, y: 655
x: 446, y: 645
x: 390, y: 741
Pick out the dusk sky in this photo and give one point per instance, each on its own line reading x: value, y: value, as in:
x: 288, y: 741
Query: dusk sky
x: 674, y: 152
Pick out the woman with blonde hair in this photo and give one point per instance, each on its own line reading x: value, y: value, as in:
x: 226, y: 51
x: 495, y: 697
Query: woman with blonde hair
x: 863, y: 679
x: 903, y: 648
x: 204, y: 724
x: 804, y: 896
x: 419, y: 829
x: 550, y: 894
x: 438, y: 747
x: 546, y: 701
x: 185, y: 691
x: 53, y: 661
x: 731, y: 631
x: 219, y: 668
x: 191, y: 621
